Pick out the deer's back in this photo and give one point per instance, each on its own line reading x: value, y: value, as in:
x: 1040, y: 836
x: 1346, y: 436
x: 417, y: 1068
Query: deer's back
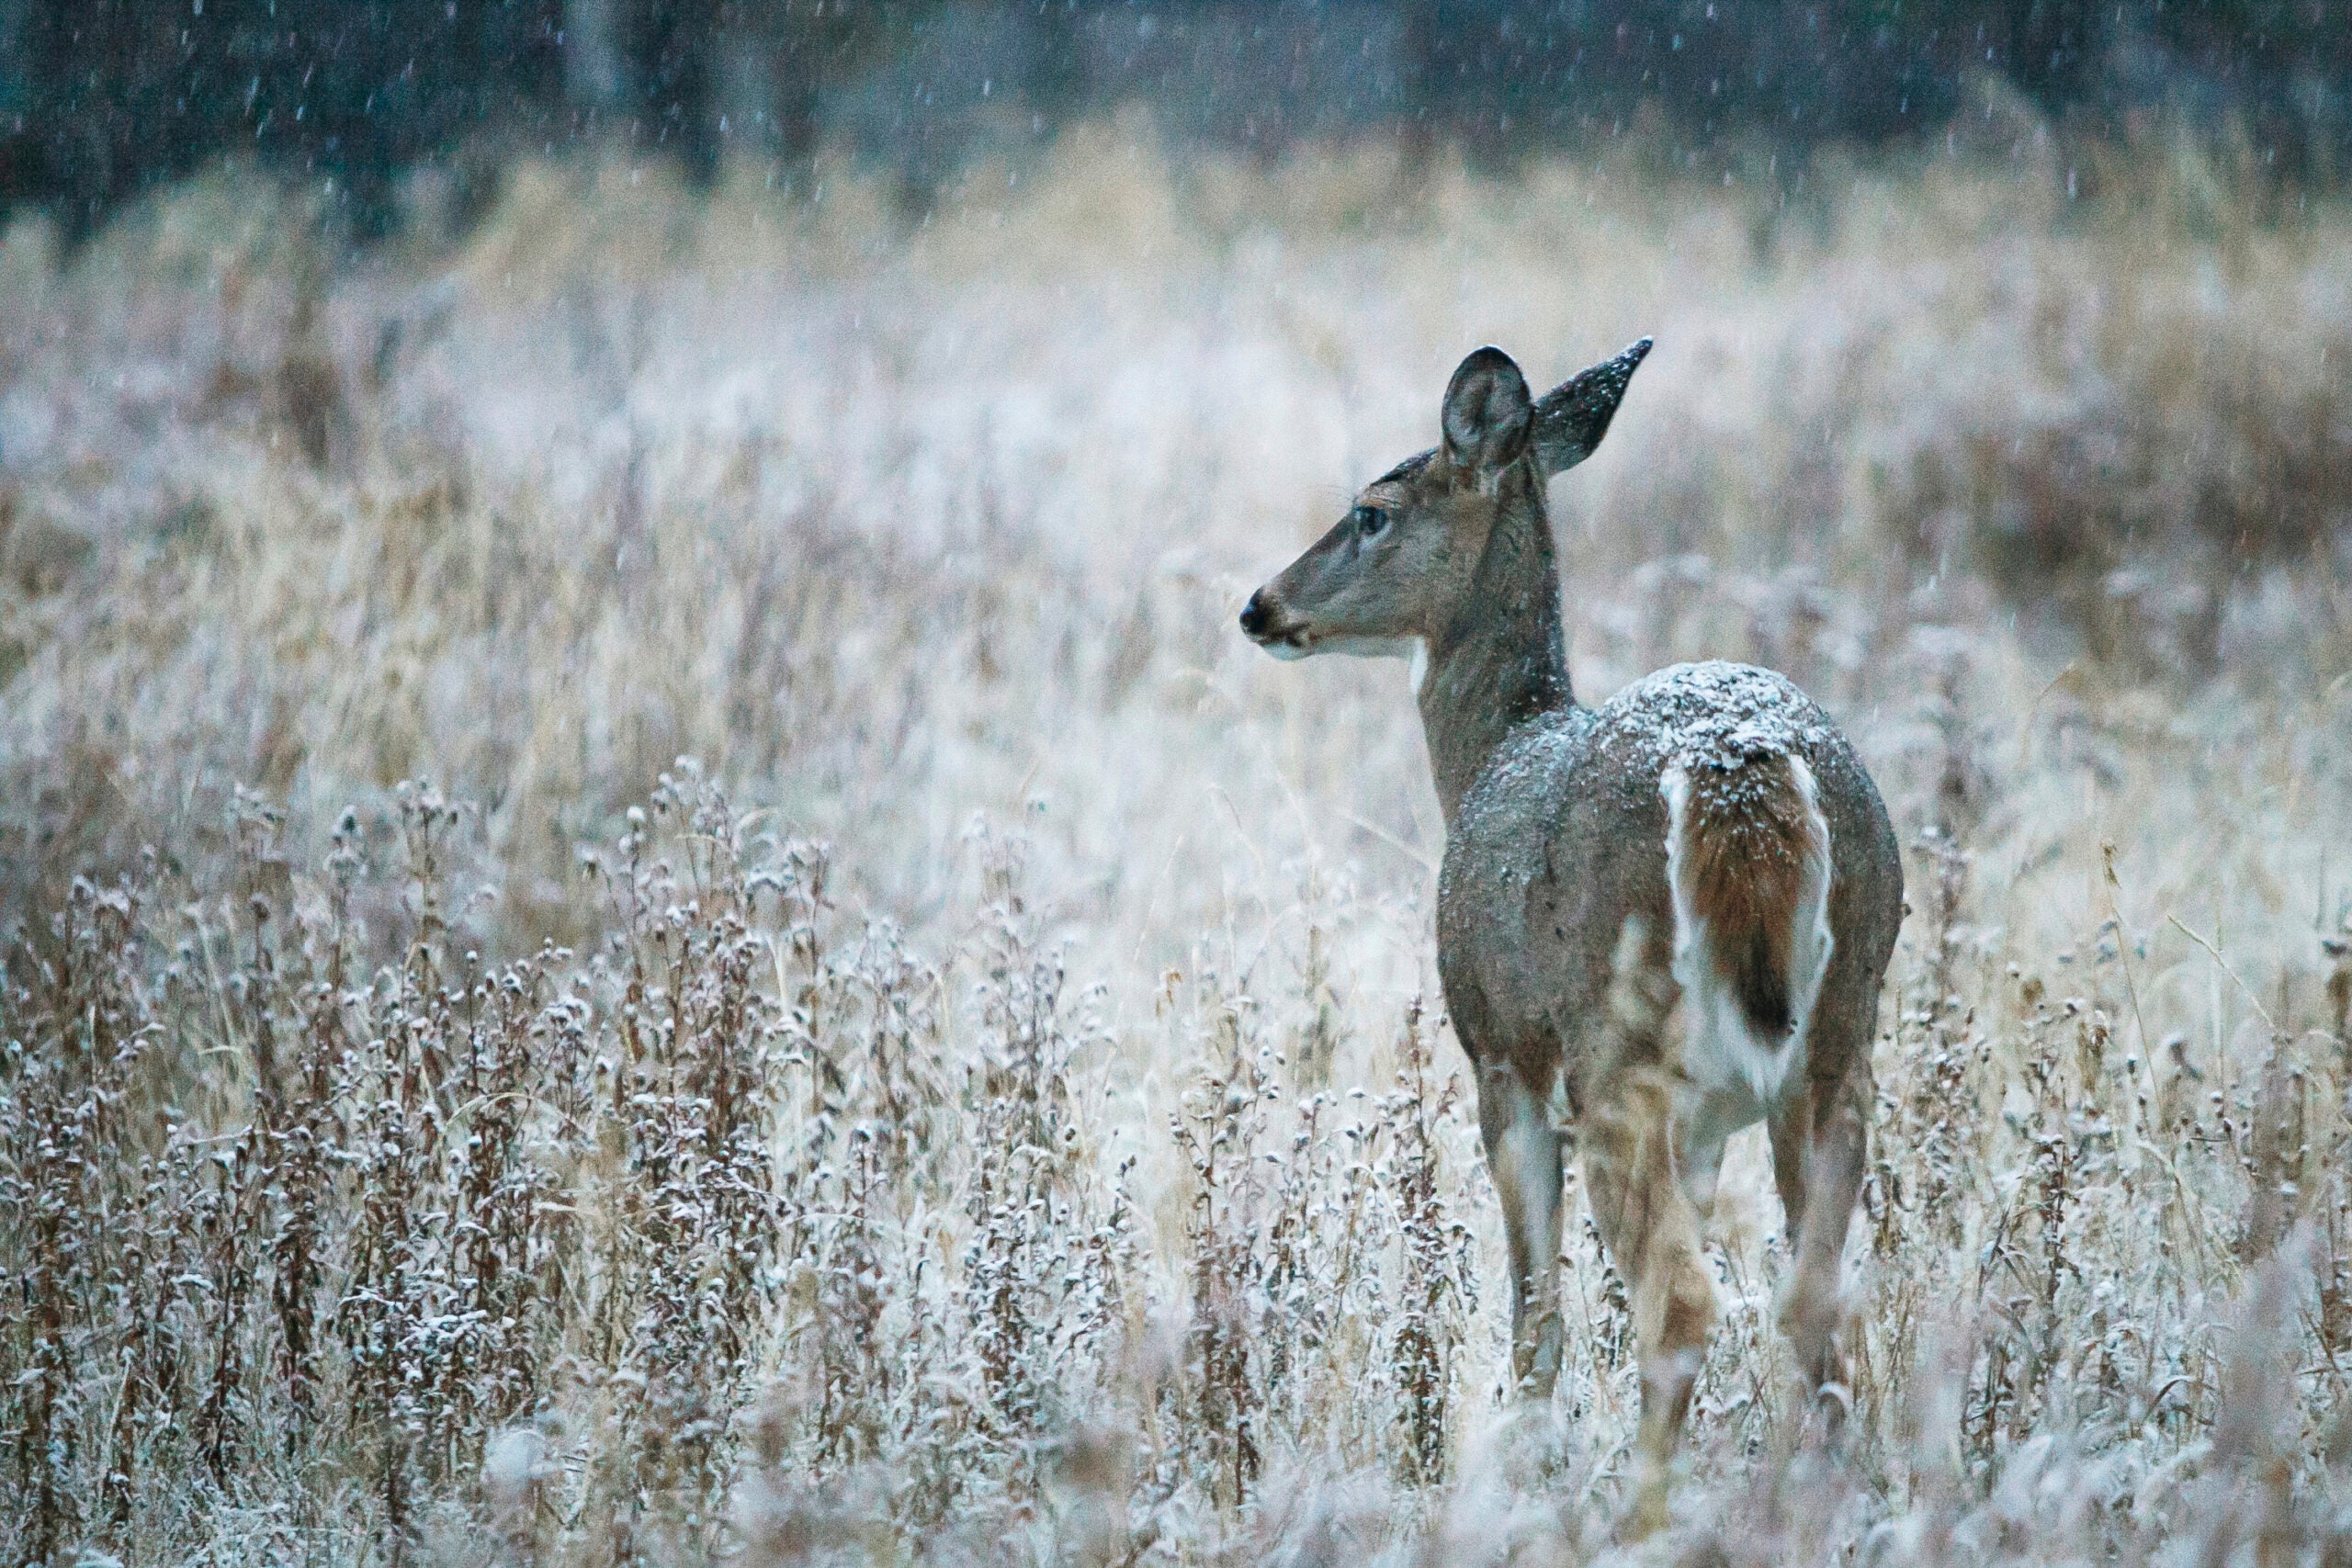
x: 1563, y: 836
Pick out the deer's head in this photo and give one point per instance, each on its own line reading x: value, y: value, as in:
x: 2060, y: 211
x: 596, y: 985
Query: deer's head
x: 1397, y: 569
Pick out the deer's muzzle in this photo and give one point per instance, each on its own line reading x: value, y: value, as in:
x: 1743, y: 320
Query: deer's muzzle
x: 1267, y: 623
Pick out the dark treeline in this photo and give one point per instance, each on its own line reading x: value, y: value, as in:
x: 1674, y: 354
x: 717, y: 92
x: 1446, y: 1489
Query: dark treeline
x: 99, y: 98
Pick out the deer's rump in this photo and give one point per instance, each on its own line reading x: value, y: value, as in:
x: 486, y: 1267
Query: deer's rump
x: 1716, y: 804
x: 1747, y: 858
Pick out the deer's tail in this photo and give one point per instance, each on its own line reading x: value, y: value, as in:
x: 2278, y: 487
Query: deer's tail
x: 1747, y: 863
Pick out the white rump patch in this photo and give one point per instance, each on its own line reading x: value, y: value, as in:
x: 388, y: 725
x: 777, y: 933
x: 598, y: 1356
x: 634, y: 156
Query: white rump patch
x: 1721, y: 1053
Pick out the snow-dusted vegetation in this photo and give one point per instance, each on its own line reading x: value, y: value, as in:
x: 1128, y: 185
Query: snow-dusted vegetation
x: 654, y: 913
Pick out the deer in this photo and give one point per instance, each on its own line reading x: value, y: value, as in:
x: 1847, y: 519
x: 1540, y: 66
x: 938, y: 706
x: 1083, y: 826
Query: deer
x: 1705, y: 847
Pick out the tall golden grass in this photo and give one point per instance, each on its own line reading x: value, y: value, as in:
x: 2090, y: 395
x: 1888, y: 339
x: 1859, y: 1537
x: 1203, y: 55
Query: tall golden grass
x: 655, y: 914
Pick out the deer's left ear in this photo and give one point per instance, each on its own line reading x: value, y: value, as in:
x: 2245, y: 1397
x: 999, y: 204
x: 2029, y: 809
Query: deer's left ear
x: 1487, y: 415
x: 1575, y: 415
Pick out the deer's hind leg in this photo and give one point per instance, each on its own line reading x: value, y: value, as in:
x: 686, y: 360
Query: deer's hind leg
x: 1651, y: 1229
x: 1523, y: 1157
x: 1820, y: 1133
x: 1647, y: 1217
x: 1817, y: 1163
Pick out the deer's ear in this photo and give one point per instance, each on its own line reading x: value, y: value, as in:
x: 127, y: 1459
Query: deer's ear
x: 1487, y: 415
x: 1575, y: 415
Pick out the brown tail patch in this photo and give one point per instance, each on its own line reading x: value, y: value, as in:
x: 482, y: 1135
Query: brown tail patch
x: 1748, y: 834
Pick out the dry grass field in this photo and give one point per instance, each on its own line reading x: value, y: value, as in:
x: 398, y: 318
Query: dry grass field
x: 654, y: 915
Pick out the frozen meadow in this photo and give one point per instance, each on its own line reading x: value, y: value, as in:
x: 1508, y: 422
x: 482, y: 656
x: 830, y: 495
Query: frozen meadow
x: 654, y: 914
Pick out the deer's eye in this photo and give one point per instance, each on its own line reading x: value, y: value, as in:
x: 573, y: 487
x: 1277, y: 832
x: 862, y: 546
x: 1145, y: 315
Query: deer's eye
x: 1370, y: 521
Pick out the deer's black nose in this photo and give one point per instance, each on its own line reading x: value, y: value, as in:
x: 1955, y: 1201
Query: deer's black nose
x: 1253, y: 615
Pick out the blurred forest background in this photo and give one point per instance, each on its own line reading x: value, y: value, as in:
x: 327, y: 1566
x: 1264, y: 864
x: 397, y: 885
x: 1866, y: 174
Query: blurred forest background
x: 100, y: 99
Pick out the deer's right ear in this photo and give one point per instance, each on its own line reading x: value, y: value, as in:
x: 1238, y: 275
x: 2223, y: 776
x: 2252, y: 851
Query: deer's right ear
x: 1575, y: 415
x: 1487, y: 415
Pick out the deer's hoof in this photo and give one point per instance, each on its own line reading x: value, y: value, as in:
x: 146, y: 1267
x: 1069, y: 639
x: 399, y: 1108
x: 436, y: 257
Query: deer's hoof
x: 1653, y: 1490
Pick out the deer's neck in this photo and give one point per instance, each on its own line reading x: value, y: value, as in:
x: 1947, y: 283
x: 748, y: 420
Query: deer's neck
x: 1504, y: 660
